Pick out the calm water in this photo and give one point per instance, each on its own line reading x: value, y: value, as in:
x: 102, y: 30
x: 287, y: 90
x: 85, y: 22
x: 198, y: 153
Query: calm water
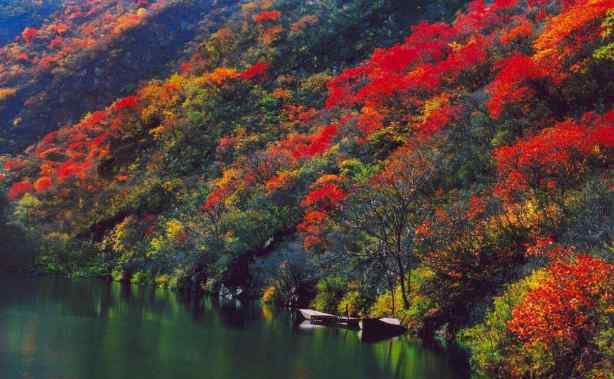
x: 53, y: 328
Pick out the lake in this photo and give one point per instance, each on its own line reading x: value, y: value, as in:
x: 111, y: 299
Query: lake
x: 53, y: 328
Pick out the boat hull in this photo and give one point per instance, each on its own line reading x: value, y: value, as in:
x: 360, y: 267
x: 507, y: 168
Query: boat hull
x: 375, y: 329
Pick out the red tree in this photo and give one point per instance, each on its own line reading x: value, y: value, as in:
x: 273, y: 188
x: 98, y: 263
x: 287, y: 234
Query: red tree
x: 267, y: 16
x: 19, y: 189
x: 563, y: 309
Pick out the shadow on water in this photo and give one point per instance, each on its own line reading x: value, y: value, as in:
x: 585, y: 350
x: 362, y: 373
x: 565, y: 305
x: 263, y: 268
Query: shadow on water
x: 54, y: 328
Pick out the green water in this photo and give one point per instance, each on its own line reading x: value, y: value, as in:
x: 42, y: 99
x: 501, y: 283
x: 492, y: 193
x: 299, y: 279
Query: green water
x: 53, y: 328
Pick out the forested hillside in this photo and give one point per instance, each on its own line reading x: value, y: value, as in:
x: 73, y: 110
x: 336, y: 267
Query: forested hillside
x: 443, y: 162
x: 90, y: 53
x: 16, y: 16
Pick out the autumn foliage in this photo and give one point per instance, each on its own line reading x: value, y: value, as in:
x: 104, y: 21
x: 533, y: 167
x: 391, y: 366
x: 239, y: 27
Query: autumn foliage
x: 437, y: 170
x: 562, y: 313
x: 267, y: 16
x: 556, y: 157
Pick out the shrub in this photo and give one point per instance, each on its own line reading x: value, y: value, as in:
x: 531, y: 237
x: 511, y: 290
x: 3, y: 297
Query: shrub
x: 420, y: 306
x: 490, y: 341
x: 330, y: 291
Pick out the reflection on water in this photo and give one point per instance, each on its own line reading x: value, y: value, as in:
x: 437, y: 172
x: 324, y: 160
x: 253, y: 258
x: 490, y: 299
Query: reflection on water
x: 55, y: 328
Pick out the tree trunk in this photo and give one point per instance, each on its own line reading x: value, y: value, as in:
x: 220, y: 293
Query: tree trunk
x: 402, y: 282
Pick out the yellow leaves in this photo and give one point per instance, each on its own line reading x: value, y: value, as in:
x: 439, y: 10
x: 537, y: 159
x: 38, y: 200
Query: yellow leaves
x: 175, y: 230
x: 281, y: 180
x: 434, y: 104
x: 230, y: 174
x: 455, y: 45
x: 157, y: 132
x: 329, y: 178
x: 155, y: 245
x: 121, y: 238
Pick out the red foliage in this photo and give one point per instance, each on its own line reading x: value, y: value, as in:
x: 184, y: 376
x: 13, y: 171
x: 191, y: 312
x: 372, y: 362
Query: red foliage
x: 555, y: 156
x: 186, y: 67
x: 14, y: 164
x: 523, y: 29
x: 19, y: 189
x: 437, y: 121
x: 312, y: 227
x: 316, y: 144
x: 326, y: 196
x: 477, y: 207
x: 129, y: 102
x: 55, y: 43
x: 546, y: 247
x: 512, y: 84
x: 216, y: 198
x: 561, y: 310
x: 255, y: 71
x: 72, y: 169
x: 29, y: 34
x: 94, y: 119
x: 267, y: 16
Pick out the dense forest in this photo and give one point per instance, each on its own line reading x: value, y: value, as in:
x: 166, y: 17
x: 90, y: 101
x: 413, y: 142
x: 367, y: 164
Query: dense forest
x: 443, y: 162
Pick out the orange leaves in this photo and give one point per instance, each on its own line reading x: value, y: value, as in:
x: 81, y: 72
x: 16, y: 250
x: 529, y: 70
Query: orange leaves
x: 127, y: 21
x: 562, y: 310
x: 512, y: 84
x: 42, y: 184
x: 220, y: 75
x: 267, y: 16
x: 568, y: 33
x: 58, y: 28
x: 523, y: 29
x: 280, y: 181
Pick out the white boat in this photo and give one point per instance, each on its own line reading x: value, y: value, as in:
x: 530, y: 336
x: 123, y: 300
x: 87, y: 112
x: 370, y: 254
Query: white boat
x: 309, y: 313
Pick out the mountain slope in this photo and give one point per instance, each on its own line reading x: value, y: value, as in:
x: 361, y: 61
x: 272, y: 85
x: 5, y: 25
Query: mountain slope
x: 91, y: 53
x: 16, y: 16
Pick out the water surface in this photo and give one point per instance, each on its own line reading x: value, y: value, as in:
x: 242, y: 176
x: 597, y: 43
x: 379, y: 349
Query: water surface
x: 52, y: 328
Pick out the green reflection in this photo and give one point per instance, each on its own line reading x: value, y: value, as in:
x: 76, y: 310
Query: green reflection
x: 54, y: 328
